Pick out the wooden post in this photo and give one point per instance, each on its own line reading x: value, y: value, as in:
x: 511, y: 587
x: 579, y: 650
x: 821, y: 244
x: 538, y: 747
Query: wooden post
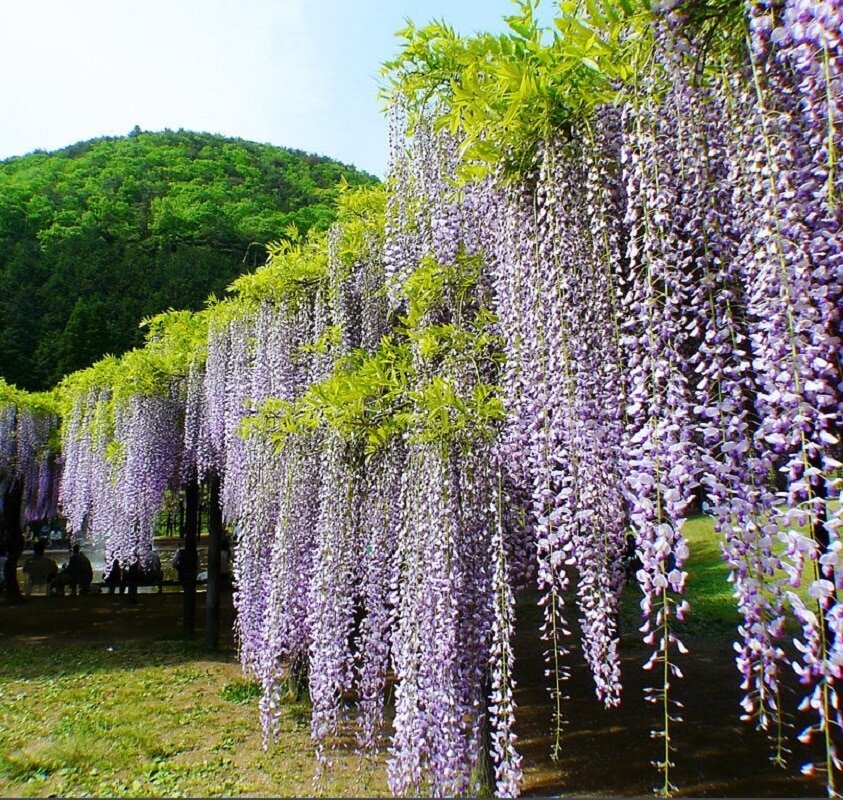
x: 13, y: 538
x: 190, y: 561
x: 212, y: 594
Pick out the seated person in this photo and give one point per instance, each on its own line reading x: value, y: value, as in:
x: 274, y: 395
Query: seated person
x: 79, y: 572
x: 39, y: 569
x: 153, y: 574
x: 113, y: 578
x: 153, y: 566
x: 180, y: 565
x: 133, y: 576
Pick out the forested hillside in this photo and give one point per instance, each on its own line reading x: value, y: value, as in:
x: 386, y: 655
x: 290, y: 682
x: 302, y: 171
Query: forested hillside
x: 98, y: 235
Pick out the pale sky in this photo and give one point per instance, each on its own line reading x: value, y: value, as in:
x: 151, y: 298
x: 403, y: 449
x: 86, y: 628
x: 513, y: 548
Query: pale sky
x: 295, y: 73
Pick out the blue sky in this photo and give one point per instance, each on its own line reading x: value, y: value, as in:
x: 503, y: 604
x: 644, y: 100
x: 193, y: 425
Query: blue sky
x: 297, y: 73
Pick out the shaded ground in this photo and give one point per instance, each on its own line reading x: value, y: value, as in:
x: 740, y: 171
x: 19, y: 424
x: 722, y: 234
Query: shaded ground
x: 609, y: 752
x: 107, y: 617
x: 194, y: 740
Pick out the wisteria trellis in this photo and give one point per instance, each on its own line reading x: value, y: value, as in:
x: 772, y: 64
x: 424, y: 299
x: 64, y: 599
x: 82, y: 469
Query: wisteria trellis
x: 476, y: 389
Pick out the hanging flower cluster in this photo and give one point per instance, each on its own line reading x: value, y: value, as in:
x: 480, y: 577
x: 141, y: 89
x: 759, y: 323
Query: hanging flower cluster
x: 668, y: 290
x: 122, y: 438
x: 119, y: 462
x: 379, y: 542
x: 28, y: 424
x: 565, y: 395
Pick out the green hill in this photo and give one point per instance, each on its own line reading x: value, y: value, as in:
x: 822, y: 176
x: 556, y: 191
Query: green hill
x: 98, y: 235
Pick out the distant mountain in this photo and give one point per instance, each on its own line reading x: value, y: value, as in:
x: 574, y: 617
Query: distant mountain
x: 98, y: 235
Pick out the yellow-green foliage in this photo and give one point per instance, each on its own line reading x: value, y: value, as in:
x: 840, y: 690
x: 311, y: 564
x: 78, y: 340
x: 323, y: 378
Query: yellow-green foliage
x: 177, y: 339
x: 39, y: 403
x: 360, y: 222
x: 407, y: 386
x: 291, y: 272
x: 296, y: 266
x: 504, y: 94
x: 362, y: 400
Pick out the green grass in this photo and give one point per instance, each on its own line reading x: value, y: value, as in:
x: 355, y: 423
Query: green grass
x: 713, y: 608
x: 709, y: 593
x: 150, y: 719
x: 241, y: 691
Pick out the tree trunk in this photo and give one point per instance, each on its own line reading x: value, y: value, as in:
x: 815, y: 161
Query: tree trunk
x: 13, y: 537
x: 212, y: 594
x: 191, y: 561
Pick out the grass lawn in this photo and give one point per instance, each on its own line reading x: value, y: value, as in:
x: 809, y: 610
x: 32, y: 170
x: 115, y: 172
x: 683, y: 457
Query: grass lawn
x: 709, y: 593
x: 150, y: 719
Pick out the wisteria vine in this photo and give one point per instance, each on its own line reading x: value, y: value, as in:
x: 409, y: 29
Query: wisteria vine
x: 493, y: 371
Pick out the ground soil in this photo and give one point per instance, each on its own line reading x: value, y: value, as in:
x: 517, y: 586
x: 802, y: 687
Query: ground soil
x: 107, y: 617
x: 609, y: 752
x: 603, y: 753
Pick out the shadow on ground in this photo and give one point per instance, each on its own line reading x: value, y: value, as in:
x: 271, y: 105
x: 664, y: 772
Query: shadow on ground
x: 125, y: 631
x: 609, y: 752
x: 603, y: 753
